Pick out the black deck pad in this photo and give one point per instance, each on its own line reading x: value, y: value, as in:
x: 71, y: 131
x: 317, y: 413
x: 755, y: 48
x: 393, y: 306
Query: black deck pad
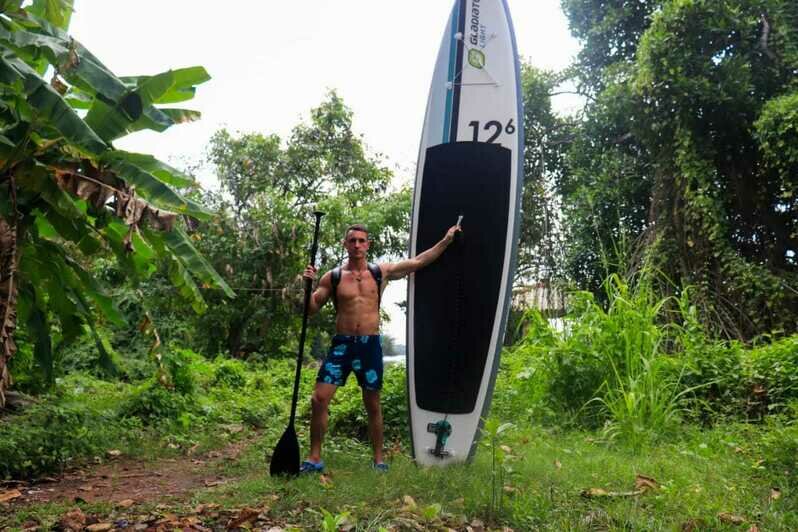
x: 456, y: 297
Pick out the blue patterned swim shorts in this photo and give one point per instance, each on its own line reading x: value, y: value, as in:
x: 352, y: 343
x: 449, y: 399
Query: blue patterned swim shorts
x: 361, y: 354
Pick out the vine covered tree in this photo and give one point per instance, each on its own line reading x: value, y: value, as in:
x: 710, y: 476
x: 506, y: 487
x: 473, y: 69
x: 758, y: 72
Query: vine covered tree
x: 687, y: 154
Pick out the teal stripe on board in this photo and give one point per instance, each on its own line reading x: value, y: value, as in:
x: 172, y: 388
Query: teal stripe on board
x: 447, y: 126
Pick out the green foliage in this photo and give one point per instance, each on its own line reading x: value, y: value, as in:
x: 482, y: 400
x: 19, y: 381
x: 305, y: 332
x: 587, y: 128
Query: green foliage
x: 152, y: 403
x: 230, y: 374
x: 684, y: 155
x: 262, y: 226
x: 59, y: 173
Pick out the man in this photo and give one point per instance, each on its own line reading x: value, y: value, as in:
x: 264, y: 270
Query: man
x: 356, y: 345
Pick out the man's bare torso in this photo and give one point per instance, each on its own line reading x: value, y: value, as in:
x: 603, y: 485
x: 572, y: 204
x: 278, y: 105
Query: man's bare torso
x: 358, y: 310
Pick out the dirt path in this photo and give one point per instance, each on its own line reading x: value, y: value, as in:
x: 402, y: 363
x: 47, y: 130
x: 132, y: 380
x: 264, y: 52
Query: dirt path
x: 123, y: 480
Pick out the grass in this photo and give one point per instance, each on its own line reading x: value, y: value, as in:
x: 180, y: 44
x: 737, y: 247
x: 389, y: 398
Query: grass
x: 702, y: 476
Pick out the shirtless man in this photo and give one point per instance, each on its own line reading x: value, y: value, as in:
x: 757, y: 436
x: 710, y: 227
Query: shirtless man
x: 356, y: 345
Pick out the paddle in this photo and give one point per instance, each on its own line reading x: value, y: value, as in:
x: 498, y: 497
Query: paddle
x: 285, y: 458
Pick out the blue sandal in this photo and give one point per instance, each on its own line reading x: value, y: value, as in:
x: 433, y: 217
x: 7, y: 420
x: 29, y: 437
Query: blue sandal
x: 382, y: 467
x: 311, y: 467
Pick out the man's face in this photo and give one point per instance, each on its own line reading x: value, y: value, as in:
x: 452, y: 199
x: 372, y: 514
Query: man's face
x: 356, y: 244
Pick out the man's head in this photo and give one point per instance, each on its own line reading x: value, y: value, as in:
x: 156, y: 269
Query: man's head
x: 356, y: 241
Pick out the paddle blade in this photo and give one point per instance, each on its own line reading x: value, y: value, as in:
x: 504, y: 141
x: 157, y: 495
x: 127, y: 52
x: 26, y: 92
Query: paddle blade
x: 285, y: 459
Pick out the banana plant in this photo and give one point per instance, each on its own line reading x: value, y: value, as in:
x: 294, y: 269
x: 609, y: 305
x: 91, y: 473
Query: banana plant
x: 67, y: 194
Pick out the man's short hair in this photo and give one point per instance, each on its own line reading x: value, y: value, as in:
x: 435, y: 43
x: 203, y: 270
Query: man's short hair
x: 356, y: 227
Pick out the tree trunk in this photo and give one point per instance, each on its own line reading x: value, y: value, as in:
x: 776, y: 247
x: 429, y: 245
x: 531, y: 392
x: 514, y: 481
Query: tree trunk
x: 9, y: 261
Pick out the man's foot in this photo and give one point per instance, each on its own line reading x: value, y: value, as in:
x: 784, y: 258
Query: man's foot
x: 311, y: 467
x: 382, y: 467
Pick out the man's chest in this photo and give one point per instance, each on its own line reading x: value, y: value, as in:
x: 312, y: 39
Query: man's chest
x: 353, y: 286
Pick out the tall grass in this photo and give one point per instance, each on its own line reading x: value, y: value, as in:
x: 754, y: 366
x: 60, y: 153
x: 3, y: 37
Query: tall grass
x: 610, y: 364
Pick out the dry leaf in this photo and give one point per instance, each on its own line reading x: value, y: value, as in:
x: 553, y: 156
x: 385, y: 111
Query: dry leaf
x: 244, y: 516
x: 212, y: 483
x: 645, y: 483
x: 775, y: 494
x: 73, y: 520
x: 731, y: 519
x: 506, y: 449
x: 100, y: 527
x: 477, y: 526
x: 509, y: 489
x: 557, y: 464
x: 594, y: 492
x: 326, y: 480
x: 409, y: 502
x: 127, y: 503
x: 694, y: 525
x: 114, y: 453
x: 9, y: 495
x: 86, y: 488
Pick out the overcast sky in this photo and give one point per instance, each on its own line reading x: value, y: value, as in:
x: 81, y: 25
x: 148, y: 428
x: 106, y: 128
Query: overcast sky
x: 272, y: 61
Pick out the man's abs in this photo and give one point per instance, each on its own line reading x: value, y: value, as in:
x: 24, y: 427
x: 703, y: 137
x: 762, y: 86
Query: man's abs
x: 358, y: 317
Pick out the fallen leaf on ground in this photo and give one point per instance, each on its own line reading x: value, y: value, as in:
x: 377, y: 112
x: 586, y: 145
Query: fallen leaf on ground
x: 203, y: 508
x: 775, y: 494
x: 212, y: 483
x: 645, y: 483
x: 731, y: 519
x: 73, y: 520
x: 410, y: 503
x: 86, y: 488
x: 557, y: 464
x: 9, y: 495
x: 598, y: 492
x: 244, y: 516
x: 325, y: 480
x: 476, y: 526
x: 694, y: 525
x: 114, y: 453
x: 127, y: 503
x: 506, y: 449
x: 100, y: 527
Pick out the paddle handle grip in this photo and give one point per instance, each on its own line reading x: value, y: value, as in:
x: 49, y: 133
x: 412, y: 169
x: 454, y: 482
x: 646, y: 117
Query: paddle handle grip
x: 308, y: 289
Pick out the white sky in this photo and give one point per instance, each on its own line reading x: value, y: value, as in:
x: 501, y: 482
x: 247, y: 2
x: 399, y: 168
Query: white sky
x: 273, y: 60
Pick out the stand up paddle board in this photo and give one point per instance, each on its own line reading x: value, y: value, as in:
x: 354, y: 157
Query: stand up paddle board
x: 469, y: 169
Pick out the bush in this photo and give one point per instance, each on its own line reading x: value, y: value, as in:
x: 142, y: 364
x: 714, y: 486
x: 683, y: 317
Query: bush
x: 153, y: 402
x: 230, y: 374
x: 49, y: 437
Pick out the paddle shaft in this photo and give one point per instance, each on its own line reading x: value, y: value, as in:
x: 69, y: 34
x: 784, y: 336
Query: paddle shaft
x: 308, y: 288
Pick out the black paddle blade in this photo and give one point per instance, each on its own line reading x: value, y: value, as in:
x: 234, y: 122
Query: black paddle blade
x: 285, y: 460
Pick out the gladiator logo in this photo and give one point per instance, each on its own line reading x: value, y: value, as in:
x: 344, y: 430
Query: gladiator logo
x: 476, y: 58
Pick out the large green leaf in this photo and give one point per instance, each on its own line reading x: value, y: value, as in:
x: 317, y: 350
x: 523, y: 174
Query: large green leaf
x: 182, y: 84
x: 184, y: 250
x: 56, y: 12
x: 168, y: 174
x: 153, y: 189
x: 43, y: 344
x: 185, y: 284
x: 50, y: 105
x: 110, y: 123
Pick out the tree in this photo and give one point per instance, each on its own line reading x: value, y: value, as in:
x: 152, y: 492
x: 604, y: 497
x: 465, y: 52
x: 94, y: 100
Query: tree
x: 68, y: 195
x: 262, y: 226
x: 686, y: 154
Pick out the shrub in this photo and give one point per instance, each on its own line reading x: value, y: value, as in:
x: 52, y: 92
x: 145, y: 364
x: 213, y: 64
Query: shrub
x: 230, y: 374
x: 153, y: 402
x: 48, y: 437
